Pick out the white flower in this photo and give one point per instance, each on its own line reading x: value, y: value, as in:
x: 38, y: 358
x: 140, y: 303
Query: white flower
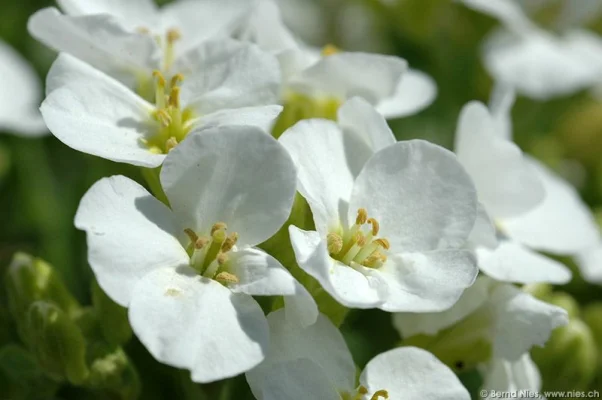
x: 589, y: 262
x: 391, y: 218
x: 330, y: 77
x: 511, y: 376
x: 539, y: 64
x: 315, y: 363
x: 504, y: 321
x: 187, y: 272
x: 20, y: 95
x: 222, y: 82
x: 530, y: 208
x: 128, y: 38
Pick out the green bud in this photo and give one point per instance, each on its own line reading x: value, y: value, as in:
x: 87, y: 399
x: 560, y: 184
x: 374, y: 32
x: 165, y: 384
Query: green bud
x: 568, y: 360
x: 592, y: 316
x: 112, y: 370
x: 462, y: 346
x: 57, y: 342
x: 113, y: 318
x: 565, y: 301
x: 30, y: 279
x: 540, y: 291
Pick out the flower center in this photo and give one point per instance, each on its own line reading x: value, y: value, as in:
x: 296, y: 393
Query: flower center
x: 209, y: 254
x: 363, y: 391
x: 359, y: 245
x: 173, y: 122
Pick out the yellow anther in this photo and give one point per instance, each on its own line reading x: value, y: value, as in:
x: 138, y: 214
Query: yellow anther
x: 361, y: 239
x: 375, y: 226
x: 173, y: 35
x: 375, y: 260
x: 362, y: 216
x: 176, y: 79
x: 222, y: 258
x: 174, y: 97
x: 191, y: 235
x: 329, y: 50
x: 229, y: 242
x: 384, y: 243
x: 380, y: 393
x: 163, y: 117
x: 159, y: 78
x: 362, y: 390
x: 143, y: 30
x: 170, y: 144
x: 218, y: 226
x: 334, y: 242
x: 226, y: 277
x: 200, y: 243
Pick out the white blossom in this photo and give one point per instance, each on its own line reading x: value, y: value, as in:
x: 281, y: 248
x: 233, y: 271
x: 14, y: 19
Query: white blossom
x: 187, y: 272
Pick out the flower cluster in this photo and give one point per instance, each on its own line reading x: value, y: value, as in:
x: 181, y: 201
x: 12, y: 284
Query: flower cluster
x: 278, y: 199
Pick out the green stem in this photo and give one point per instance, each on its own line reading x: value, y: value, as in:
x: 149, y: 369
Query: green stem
x: 42, y: 200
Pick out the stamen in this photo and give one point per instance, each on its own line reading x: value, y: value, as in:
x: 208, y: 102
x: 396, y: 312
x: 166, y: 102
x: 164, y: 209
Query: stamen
x: 226, y: 277
x: 191, y: 235
x: 329, y: 50
x: 380, y: 393
x: 219, y: 236
x: 362, y: 390
x: 375, y: 226
x: 334, y: 243
x: 170, y: 144
x: 376, y: 260
x: 218, y: 226
x: 163, y: 117
x: 176, y: 79
x: 222, y: 259
x: 174, y: 97
x: 159, y: 89
x: 383, y: 243
x: 229, y: 242
x: 173, y: 35
x: 200, y: 243
x: 362, y: 216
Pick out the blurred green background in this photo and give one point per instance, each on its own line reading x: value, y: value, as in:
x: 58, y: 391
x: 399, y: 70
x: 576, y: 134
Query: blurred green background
x: 42, y: 180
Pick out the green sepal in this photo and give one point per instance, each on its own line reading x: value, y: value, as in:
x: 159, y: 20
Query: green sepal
x: 112, y: 318
x: 111, y: 369
x: 56, y: 342
x: 298, y: 107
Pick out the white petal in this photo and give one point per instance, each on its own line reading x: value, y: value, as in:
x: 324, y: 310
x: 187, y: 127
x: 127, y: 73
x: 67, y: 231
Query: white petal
x: 226, y: 73
x: 500, y: 105
x: 420, y: 194
x: 410, y: 373
x: 344, y: 75
x: 195, y: 323
x: 538, y: 66
x: 100, y: 116
x: 198, y: 21
x: 561, y: 224
x: 426, y: 282
x: 208, y: 181
x: 506, y: 376
x: 587, y: 46
x: 507, y: 12
x: 266, y: 28
x: 135, y: 12
x: 414, y: 92
x: 262, y: 117
x: 589, y: 262
x: 321, y: 343
x: 262, y: 275
x: 484, y: 232
x: 20, y: 95
x: 299, y: 379
x: 358, y: 117
x: 129, y: 232
x: 410, y: 324
x: 505, y: 183
x: 349, y: 287
x: 99, y: 40
x: 328, y: 162
x: 521, y: 321
x: 513, y: 262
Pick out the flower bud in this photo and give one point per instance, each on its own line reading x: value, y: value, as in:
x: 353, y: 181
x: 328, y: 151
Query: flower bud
x: 568, y: 360
x: 56, y: 342
x: 112, y: 318
x: 112, y: 370
x: 30, y: 279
